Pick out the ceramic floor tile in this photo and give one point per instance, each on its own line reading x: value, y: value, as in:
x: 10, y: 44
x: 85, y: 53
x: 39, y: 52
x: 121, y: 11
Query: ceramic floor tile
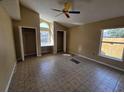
x: 56, y: 73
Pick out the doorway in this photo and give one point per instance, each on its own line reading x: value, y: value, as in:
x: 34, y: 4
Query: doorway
x: 28, y: 42
x: 61, y: 41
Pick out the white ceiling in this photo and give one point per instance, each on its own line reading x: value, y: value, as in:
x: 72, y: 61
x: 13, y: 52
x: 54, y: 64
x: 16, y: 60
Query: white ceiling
x: 12, y: 7
x: 91, y: 10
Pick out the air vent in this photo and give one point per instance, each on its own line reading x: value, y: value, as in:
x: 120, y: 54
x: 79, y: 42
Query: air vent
x: 75, y: 61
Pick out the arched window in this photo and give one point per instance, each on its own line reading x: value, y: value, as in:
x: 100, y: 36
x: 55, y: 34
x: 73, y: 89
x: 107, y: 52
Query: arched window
x: 44, y: 25
x: 45, y: 34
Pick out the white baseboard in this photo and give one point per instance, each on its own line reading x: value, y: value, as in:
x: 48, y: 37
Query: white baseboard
x: 114, y: 67
x: 10, y: 78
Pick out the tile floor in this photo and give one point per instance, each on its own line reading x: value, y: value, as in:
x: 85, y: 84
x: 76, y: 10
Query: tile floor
x: 56, y: 73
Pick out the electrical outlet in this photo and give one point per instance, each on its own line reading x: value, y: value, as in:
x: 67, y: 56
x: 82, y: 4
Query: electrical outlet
x: 80, y: 49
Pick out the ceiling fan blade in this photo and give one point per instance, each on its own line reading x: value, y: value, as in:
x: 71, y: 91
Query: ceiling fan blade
x: 59, y: 14
x: 57, y: 10
x: 67, y: 15
x: 74, y: 12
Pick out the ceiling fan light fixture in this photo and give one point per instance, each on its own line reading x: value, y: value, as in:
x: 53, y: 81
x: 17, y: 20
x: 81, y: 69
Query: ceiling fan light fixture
x: 66, y: 10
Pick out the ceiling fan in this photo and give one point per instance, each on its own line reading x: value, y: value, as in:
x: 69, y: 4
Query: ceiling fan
x: 66, y: 11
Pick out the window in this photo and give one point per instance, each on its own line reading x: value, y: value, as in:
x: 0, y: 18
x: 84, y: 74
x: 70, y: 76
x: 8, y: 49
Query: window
x: 44, y: 38
x: 45, y: 34
x: 44, y: 25
x: 112, y: 43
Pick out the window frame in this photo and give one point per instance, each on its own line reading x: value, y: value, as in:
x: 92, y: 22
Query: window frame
x: 47, y: 30
x: 44, y: 28
x: 48, y: 44
x: 100, y: 46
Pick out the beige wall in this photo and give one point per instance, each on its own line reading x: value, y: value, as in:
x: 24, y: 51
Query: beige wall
x: 85, y: 39
x: 29, y: 19
x: 58, y: 27
x: 7, y: 52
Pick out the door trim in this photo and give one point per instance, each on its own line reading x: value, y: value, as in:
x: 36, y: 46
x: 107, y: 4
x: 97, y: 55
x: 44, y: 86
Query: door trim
x: 55, y: 41
x: 21, y: 41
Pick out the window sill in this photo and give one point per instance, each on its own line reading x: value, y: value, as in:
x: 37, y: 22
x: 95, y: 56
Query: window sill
x: 47, y: 46
x: 116, y: 59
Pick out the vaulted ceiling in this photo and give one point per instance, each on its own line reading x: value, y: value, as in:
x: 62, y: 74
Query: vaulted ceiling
x: 91, y: 10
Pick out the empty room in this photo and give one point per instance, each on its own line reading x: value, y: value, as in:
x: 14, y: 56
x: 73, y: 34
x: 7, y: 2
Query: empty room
x: 61, y: 45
